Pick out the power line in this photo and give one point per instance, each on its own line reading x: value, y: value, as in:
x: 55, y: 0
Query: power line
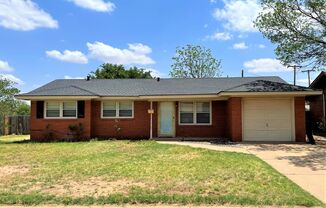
x: 294, y: 72
x: 308, y: 72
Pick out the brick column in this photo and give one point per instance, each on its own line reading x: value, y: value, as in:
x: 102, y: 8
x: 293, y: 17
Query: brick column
x: 300, y: 122
x: 234, y: 119
x: 88, y: 119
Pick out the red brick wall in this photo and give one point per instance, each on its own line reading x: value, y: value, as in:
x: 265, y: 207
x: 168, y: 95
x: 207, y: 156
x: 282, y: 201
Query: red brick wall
x: 137, y: 127
x: 59, y: 127
x: 217, y: 129
x: 317, y: 108
x: 234, y: 119
x: 300, y: 125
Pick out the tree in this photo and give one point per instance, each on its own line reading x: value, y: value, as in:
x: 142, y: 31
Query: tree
x: 23, y: 109
x: 114, y: 71
x: 8, y: 103
x: 298, y: 27
x: 194, y: 62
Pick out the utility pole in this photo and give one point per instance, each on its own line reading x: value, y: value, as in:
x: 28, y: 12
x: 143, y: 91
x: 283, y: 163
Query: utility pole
x: 308, y: 72
x: 242, y: 73
x: 294, y: 72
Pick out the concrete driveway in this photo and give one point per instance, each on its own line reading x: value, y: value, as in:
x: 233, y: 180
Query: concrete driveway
x: 302, y: 163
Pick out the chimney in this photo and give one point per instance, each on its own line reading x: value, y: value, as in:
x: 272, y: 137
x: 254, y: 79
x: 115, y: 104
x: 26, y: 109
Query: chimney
x: 158, y: 79
x: 88, y: 78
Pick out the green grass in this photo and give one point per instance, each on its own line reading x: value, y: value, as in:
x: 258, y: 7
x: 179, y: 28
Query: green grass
x: 109, y: 172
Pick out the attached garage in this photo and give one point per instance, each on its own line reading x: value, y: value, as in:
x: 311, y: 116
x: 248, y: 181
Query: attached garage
x: 268, y: 119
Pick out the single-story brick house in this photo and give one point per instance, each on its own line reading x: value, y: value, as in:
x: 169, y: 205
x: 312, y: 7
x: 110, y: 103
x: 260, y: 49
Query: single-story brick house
x: 242, y: 109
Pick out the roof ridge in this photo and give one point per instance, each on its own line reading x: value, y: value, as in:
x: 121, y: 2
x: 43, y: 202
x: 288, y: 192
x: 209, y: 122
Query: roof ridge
x: 84, y: 90
x: 174, y: 78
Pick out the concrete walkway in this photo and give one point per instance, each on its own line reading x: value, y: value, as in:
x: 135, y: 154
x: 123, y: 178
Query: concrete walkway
x: 302, y: 163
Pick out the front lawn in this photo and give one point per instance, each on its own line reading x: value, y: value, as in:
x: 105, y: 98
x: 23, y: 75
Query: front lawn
x: 106, y: 172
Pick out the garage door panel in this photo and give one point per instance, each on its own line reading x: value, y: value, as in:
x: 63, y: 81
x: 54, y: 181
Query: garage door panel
x: 267, y: 119
x: 255, y: 123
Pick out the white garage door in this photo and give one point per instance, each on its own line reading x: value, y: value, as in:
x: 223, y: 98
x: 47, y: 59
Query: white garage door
x: 267, y: 119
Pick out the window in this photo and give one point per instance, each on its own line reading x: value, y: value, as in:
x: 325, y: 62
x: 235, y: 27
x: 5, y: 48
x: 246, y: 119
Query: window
x: 53, y: 109
x: 203, y: 112
x: 69, y: 109
x: 109, y: 109
x: 195, y: 113
x: 61, y: 109
x: 117, y: 109
x: 186, y: 113
x: 125, y: 109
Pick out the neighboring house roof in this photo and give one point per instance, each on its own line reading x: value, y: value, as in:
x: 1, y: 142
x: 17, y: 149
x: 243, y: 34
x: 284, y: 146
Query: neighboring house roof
x: 320, y: 81
x: 169, y: 86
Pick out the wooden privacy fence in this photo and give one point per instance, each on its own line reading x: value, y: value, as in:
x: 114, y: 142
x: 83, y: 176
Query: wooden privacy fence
x: 14, y: 125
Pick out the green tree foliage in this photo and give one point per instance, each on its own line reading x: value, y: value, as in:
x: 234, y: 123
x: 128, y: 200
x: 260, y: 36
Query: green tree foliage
x: 23, y: 109
x: 194, y: 62
x: 114, y: 71
x: 298, y: 27
x: 8, y: 103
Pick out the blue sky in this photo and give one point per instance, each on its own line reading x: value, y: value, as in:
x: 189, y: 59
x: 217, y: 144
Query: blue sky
x: 43, y: 40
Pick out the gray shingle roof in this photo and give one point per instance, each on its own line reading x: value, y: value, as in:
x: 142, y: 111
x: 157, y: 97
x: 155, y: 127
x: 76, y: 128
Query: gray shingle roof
x: 169, y: 86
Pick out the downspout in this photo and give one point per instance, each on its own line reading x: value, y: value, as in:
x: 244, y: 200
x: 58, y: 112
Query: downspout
x: 151, y: 121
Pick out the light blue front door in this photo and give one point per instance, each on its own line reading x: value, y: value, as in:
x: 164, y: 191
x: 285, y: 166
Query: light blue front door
x: 166, y: 119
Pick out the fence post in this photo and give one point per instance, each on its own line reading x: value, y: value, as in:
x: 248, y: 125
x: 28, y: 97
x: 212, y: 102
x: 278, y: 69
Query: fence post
x: 6, y: 125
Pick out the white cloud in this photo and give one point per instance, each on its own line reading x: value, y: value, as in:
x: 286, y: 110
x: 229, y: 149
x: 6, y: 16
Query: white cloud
x: 265, y: 65
x: 136, y: 53
x: 140, y: 48
x: 68, y: 56
x: 96, y: 5
x: 4, y: 66
x: 24, y: 15
x: 219, y: 36
x: 261, y: 46
x: 241, y: 45
x: 212, y: 1
x: 242, y: 36
x: 12, y: 78
x: 238, y: 15
x: 70, y: 77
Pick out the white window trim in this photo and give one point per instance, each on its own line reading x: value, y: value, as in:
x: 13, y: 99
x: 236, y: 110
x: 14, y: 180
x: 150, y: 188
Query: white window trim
x: 195, y: 114
x: 117, y: 110
x: 60, y: 110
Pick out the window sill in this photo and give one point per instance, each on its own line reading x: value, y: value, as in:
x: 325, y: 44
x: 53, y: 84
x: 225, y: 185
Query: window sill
x: 61, y: 118
x: 117, y: 118
x: 192, y: 124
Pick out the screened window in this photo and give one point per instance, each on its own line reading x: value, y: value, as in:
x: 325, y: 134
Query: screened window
x: 203, y: 112
x: 117, y: 109
x: 186, y: 113
x: 69, y: 109
x: 195, y: 113
x: 53, y: 109
x: 109, y: 109
x: 61, y: 109
x: 125, y: 109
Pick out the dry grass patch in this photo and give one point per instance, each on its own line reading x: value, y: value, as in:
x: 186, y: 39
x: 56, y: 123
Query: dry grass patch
x: 94, y: 186
x: 13, y: 170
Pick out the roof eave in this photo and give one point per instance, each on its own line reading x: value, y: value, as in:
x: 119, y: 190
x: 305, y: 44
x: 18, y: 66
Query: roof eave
x: 292, y: 93
x: 54, y: 97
